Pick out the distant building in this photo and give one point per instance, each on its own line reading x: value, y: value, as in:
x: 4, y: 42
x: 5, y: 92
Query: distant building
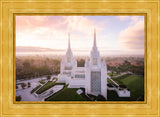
x: 92, y: 77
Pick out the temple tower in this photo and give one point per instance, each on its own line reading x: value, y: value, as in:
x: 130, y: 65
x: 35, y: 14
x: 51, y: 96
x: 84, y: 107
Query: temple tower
x: 67, y: 62
x: 97, y: 78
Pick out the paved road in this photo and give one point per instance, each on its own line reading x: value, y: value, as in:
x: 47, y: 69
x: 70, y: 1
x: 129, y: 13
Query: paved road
x: 27, y: 96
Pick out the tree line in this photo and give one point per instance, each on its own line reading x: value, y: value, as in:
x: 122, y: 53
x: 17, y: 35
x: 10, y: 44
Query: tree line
x: 127, y: 66
x: 31, y: 68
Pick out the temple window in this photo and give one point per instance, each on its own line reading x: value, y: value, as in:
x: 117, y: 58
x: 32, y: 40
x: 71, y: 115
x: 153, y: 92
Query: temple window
x: 69, y: 59
x: 94, y: 61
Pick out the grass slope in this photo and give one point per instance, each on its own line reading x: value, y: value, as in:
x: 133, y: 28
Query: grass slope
x: 67, y: 94
x: 132, y: 82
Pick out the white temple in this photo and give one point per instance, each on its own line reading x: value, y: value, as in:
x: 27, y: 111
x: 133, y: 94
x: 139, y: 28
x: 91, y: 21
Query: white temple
x: 92, y: 77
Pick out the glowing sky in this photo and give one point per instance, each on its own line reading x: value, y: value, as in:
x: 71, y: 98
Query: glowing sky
x: 116, y: 35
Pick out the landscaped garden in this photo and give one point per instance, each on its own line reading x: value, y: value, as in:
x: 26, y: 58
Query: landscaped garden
x: 66, y: 94
x: 70, y: 94
x: 48, y: 85
x: 33, y: 90
x: 132, y: 82
x: 112, y: 74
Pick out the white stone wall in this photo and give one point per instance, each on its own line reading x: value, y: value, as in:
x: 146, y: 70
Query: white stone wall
x: 104, y: 83
x: 104, y: 79
x: 123, y: 93
x: 87, y: 78
x: 76, y: 83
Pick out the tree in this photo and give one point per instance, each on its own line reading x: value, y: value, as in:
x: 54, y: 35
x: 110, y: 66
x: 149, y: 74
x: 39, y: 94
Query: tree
x: 112, y: 69
x: 29, y: 84
x: 23, y: 85
x: 26, y: 64
x: 127, y: 65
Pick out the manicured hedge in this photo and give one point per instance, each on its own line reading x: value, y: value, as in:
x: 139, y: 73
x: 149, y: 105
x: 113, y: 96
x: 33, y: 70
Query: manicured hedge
x: 35, y: 89
x: 48, y: 85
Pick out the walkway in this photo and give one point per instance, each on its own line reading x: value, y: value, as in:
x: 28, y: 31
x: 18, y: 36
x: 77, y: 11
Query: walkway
x: 25, y: 93
x: 122, y: 74
x: 112, y: 81
x: 27, y: 96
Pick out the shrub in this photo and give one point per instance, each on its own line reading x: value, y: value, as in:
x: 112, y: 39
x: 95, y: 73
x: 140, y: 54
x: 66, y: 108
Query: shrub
x: 100, y: 98
x: 23, y: 85
x: 18, y: 98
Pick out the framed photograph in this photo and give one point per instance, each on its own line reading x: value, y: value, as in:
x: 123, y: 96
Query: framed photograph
x: 80, y: 58
x: 105, y: 65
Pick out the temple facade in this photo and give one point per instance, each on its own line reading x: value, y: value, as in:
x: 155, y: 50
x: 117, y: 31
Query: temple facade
x: 92, y: 77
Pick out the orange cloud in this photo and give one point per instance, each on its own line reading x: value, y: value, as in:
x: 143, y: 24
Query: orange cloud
x: 133, y: 36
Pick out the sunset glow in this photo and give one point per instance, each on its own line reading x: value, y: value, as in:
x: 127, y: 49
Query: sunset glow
x: 116, y: 35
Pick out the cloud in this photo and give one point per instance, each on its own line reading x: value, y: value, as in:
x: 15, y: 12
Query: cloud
x: 133, y: 36
x: 123, y: 18
x: 131, y: 19
x: 135, y: 19
x: 41, y: 24
x: 78, y: 23
x: 24, y: 23
x: 52, y: 31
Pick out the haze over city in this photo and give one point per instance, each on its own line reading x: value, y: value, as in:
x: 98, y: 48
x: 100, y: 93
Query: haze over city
x: 115, y: 35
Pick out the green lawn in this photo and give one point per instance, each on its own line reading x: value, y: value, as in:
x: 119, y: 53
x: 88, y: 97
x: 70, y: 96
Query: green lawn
x: 119, y: 79
x: 35, y: 89
x: 66, y: 94
x: 132, y: 82
x: 114, y: 74
x: 48, y: 85
x: 109, y: 81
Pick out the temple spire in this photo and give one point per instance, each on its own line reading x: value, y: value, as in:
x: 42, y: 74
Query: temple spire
x: 68, y: 40
x: 94, y: 45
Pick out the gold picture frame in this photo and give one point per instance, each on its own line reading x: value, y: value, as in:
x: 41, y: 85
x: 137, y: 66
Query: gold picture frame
x: 151, y: 11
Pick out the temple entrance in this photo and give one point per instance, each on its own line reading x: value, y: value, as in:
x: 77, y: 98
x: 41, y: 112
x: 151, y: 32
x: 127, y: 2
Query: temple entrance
x: 96, y: 82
